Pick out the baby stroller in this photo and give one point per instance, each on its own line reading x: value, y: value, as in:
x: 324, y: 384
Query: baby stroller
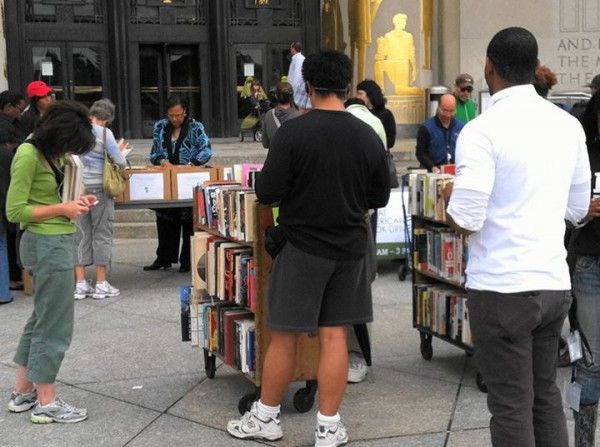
x: 251, y: 124
x: 253, y: 104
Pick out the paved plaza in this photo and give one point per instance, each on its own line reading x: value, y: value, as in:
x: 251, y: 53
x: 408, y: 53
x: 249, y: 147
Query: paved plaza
x: 144, y: 387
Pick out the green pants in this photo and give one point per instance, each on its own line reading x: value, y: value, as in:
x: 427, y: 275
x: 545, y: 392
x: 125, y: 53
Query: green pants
x: 47, y: 334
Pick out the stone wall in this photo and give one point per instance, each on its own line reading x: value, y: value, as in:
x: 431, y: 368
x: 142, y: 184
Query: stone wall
x: 568, y: 34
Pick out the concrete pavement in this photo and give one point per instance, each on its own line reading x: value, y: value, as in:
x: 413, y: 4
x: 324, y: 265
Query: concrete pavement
x: 144, y: 387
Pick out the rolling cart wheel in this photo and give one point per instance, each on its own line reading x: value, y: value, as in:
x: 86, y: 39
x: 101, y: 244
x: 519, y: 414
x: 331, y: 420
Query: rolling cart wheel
x: 481, y: 383
x: 246, y: 402
x: 210, y: 365
x: 258, y: 135
x: 426, y: 346
x: 304, y: 398
x: 402, y: 271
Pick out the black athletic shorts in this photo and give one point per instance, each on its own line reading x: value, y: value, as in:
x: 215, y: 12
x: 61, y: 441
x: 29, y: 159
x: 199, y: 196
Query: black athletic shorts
x: 307, y: 292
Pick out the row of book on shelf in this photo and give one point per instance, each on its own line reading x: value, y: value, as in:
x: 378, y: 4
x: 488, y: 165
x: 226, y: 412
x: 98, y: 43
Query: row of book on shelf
x: 227, y: 207
x: 226, y: 329
x: 440, y: 251
x: 425, y: 193
x: 223, y: 270
x: 444, y: 311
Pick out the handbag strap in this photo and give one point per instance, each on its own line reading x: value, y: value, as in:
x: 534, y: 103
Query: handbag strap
x: 277, y: 122
x: 106, y: 155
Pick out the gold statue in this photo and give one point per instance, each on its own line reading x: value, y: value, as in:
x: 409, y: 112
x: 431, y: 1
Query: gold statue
x: 396, y: 57
x: 361, y: 14
x: 332, y: 26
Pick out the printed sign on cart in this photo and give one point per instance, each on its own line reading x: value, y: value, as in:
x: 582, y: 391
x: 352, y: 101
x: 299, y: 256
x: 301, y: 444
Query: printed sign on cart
x: 391, y: 237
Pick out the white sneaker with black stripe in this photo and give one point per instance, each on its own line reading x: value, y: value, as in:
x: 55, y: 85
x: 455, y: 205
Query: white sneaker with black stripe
x: 251, y: 426
x: 332, y: 435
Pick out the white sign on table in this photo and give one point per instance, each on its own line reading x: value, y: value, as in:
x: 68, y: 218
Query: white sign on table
x: 146, y: 186
x: 187, y: 181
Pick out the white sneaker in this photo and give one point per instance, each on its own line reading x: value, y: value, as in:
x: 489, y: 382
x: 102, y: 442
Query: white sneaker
x: 82, y: 290
x: 105, y: 290
x: 250, y: 426
x: 331, y: 435
x: 357, y: 368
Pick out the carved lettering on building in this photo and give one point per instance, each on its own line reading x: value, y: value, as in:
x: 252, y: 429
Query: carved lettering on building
x: 576, y: 52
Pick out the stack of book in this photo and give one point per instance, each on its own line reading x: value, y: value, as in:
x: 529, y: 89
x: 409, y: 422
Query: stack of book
x: 426, y: 198
x: 227, y: 207
x: 72, y: 186
x: 244, y: 174
x: 440, y: 251
x: 227, y: 330
x: 230, y: 272
x: 443, y: 311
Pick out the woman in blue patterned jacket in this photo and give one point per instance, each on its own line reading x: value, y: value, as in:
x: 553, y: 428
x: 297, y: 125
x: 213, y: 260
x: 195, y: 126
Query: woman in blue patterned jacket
x: 177, y: 140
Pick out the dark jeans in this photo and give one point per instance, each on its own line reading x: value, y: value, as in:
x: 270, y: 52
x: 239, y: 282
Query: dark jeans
x: 171, y: 224
x: 515, y: 337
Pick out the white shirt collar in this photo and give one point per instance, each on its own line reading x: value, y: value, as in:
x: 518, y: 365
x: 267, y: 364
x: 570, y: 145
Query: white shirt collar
x: 517, y: 90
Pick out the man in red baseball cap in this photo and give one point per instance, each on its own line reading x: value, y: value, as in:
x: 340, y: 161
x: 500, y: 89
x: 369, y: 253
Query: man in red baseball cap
x: 40, y: 97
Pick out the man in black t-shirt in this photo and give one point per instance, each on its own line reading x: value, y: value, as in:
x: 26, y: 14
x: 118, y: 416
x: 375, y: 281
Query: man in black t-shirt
x: 326, y: 169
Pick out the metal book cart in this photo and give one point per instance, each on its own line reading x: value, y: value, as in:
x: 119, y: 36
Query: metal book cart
x: 307, y: 348
x: 425, y: 277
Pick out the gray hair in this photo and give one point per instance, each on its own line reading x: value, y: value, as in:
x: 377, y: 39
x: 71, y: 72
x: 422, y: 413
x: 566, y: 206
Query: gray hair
x: 103, y: 109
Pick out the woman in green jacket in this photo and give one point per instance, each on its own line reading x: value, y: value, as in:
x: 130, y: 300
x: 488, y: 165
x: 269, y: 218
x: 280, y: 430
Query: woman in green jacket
x: 34, y: 201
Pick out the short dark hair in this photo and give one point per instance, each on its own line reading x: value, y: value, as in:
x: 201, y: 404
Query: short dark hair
x: 514, y: 53
x: 176, y: 100
x: 64, y: 128
x: 10, y: 98
x: 328, y: 72
x: 296, y: 46
x: 374, y: 92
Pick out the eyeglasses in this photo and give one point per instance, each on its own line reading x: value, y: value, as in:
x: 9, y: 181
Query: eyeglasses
x: 466, y: 89
x: 173, y: 116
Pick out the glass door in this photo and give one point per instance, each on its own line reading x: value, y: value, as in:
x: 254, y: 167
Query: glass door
x: 266, y: 63
x: 166, y: 70
x: 85, y: 73
x: 74, y: 71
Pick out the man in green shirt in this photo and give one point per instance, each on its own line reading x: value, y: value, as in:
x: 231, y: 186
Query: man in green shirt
x: 466, y: 109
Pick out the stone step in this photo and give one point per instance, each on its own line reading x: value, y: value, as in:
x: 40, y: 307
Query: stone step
x: 134, y: 230
x: 135, y: 215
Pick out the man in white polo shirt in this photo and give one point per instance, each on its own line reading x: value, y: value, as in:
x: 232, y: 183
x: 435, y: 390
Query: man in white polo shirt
x: 521, y: 169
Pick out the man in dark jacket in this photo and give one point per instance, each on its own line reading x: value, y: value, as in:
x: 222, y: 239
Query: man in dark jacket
x: 436, y: 139
x: 11, y: 135
x: 12, y: 105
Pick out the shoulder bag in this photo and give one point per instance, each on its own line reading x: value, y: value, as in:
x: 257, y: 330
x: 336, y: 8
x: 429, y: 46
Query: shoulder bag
x: 114, y: 179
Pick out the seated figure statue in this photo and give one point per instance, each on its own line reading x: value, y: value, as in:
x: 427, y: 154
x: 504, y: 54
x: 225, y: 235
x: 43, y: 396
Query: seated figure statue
x: 396, y: 57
